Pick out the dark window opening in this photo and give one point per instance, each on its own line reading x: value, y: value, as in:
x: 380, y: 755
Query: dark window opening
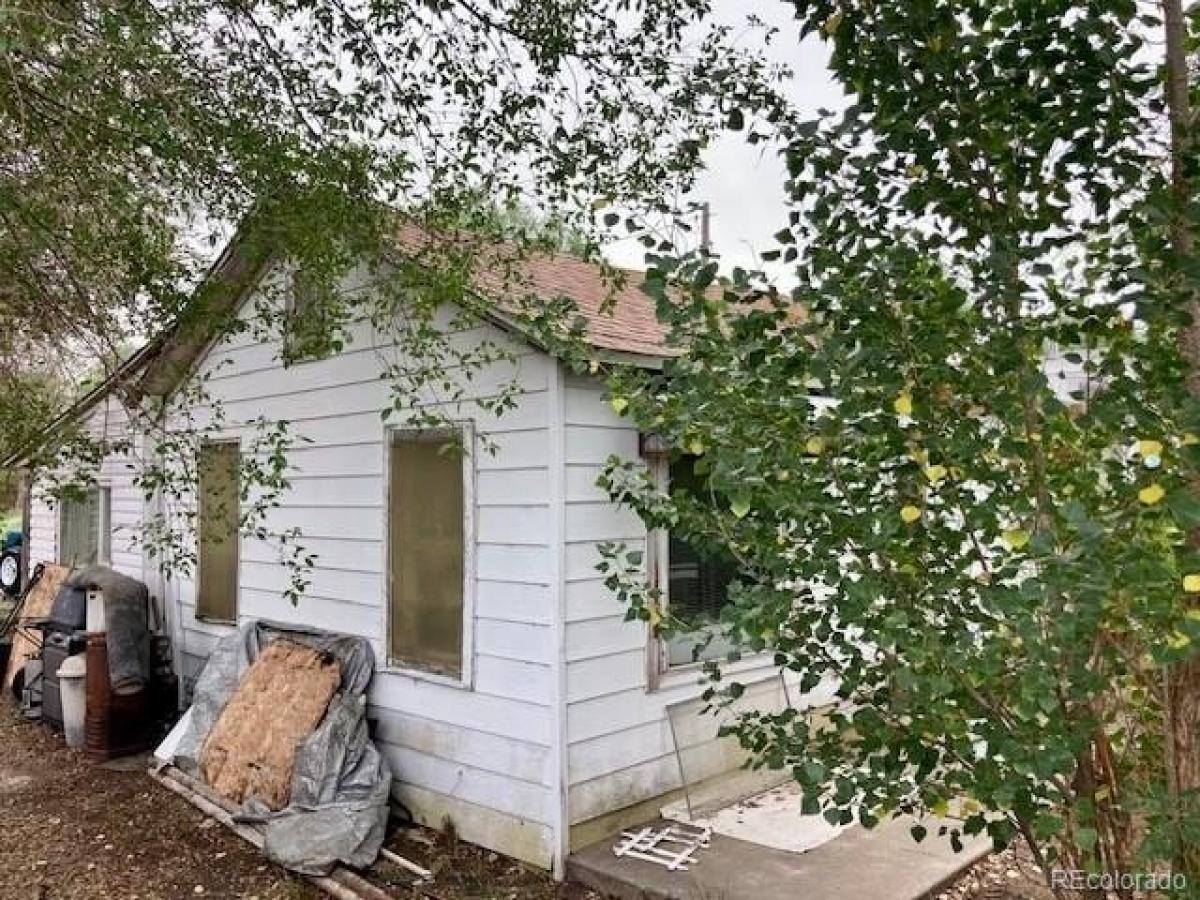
x: 698, y: 578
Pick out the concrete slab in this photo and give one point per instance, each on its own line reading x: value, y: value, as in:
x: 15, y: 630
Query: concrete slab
x: 882, y: 864
x: 771, y: 818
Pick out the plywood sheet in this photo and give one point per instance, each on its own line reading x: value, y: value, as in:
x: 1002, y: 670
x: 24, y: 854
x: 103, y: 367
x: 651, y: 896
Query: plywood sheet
x: 281, y: 699
x: 37, y: 606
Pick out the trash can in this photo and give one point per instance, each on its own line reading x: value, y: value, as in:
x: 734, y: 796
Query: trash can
x: 72, y: 685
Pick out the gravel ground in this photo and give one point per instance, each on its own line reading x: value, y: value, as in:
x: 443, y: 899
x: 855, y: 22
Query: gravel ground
x: 74, y: 830
x: 1010, y: 875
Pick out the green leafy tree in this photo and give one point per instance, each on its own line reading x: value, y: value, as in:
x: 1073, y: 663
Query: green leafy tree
x: 957, y: 463
x: 135, y: 138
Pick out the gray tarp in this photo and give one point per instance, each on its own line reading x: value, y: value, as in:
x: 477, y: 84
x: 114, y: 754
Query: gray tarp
x: 126, y: 619
x: 341, y: 784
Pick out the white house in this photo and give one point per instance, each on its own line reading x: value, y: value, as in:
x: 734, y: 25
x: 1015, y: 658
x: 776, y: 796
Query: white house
x: 514, y: 700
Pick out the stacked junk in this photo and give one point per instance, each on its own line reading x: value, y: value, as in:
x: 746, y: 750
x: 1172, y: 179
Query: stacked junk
x: 275, y: 745
x: 86, y: 659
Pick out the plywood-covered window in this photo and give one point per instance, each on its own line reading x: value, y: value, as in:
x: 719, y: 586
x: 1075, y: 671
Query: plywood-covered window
x: 217, y: 541
x: 84, y: 527
x: 429, y: 526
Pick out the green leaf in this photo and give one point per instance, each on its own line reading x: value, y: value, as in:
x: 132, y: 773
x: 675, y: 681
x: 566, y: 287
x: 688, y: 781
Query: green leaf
x: 1185, y: 508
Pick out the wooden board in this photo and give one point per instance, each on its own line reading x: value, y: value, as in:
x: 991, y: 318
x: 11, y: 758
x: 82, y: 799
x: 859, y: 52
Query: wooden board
x: 282, y: 697
x: 37, y: 606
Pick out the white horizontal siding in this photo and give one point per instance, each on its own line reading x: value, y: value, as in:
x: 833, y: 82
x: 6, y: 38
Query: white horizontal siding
x: 482, y: 753
x: 108, y: 421
x: 620, y: 746
x: 462, y: 744
x: 43, y: 530
x: 514, y: 601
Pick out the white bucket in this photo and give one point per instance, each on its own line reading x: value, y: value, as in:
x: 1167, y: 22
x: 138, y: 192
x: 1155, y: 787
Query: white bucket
x: 72, y: 686
x: 95, y: 612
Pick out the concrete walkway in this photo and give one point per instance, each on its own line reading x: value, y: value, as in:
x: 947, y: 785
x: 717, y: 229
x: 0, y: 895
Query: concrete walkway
x: 883, y: 864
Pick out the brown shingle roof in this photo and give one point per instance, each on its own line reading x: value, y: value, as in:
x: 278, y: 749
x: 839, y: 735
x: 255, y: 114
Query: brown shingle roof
x: 620, y: 316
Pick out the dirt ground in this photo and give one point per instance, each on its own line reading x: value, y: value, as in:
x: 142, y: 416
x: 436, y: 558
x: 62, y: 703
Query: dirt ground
x: 1010, y: 875
x: 71, y: 830
x: 464, y: 871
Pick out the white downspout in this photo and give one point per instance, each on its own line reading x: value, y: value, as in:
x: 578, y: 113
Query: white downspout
x: 558, y: 535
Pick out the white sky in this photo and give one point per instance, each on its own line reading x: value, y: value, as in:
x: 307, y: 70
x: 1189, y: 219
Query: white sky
x: 743, y: 185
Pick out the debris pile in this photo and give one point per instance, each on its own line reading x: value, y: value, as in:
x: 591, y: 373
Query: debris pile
x: 251, y: 751
x: 277, y: 736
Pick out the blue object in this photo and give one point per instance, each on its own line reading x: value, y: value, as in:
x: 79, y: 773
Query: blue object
x: 12, y: 539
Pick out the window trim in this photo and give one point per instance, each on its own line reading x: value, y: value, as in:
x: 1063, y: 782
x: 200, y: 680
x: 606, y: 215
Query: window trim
x: 104, y: 526
x: 660, y: 674
x: 237, y: 568
x: 465, y: 680
x: 291, y: 311
x: 103, y: 489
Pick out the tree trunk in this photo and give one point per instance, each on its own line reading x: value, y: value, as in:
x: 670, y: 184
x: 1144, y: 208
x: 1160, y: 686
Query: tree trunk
x: 1182, y: 682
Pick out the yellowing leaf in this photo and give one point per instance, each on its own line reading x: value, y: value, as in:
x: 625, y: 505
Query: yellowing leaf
x: 910, y: 514
x: 655, y: 615
x: 832, y: 23
x: 739, y: 508
x: 814, y: 446
x: 1015, y: 538
x: 1178, y: 640
x: 619, y: 404
x: 1150, y: 448
x: 903, y: 405
x: 1151, y: 494
x: 1188, y: 439
x: 935, y: 473
x: 1191, y: 583
x: 695, y: 447
x: 1193, y: 614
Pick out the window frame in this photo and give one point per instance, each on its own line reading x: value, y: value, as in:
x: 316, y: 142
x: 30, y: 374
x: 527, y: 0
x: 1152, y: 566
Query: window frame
x: 465, y: 679
x: 104, y: 526
x: 237, y: 567
x: 292, y: 311
x: 661, y: 674
x: 103, y: 491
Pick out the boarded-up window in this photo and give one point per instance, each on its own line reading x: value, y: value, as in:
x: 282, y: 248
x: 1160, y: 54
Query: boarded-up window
x: 83, y: 528
x: 426, y: 552
x: 217, y: 532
